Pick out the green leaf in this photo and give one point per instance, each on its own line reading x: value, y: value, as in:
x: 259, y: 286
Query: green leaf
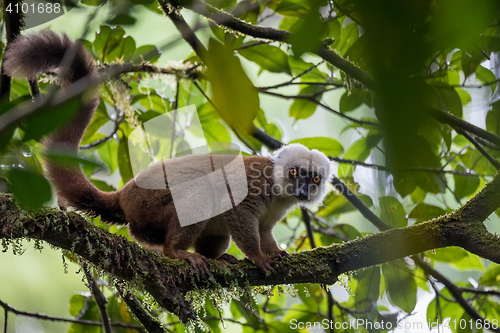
x: 76, y: 304
x: 269, y: 127
x: 68, y: 160
x: 299, y: 312
x: 348, y: 35
x: 268, y: 57
x: 446, y: 310
x: 122, y: 19
x: 148, y: 115
x: 449, y: 254
x: 146, y: 53
x: 216, y: 132
x: 311, y: 295
x: 5, y: 106
x: 359, y: 151
x: 392, y: 212
x: 234, y: 94
x: 182, y: 149
x: 91, y: 133
x: 453, y: 76
x: 111, y: 44
x: 486, y: 76
x: 309, y: 72
x: 469, y: 63
x: 465, y: 185
x: 47, y: 119
x: 108, y: 152
x: 90, y: 313
x: 328, y: 146
x: 425, y: 212
x: 418, y: 195
x: 469, y: 263
x: 31, y: 189
x: 368, y: 288
x: 288, y: 22
x: 103, y: 186
x: 491, y: 277
x: 223, y: 4
x: 405, y: 185
x: 351, y: 100
x: 303, y: 108
x: 292, y: 8
x: 452, y: 101
x: 401, y: 286
x: 338, y: 204
x: 464, y: 96
x: 124, y: 51
x: 347, y: 230
x: 124, y: 160
x: 306, y: 35
x: 247, y: 11
x: 493, y: 119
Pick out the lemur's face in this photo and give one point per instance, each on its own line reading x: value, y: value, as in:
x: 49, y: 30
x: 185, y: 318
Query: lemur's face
x: 301, y: 173
x: 304, y: 183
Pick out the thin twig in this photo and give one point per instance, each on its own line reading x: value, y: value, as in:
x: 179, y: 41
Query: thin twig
x: 307, y: 220
x: 453, y: 289
x: 185, y: 30
x: 480, y: 148
x: 356, y: 202
x: 123, y: 68
x: 13, y: 23
x: 313, y: 100
x: 174, y: 120
x: 99, y: 298
x: 252, y: 44
x: 151, y: 324
x: 118, y: 120
x: 288, y: 83
x: 458, y: 123
x: 409, y: 169
x: 480, y: 291
x: 5, y: 321
x: 9, y: 308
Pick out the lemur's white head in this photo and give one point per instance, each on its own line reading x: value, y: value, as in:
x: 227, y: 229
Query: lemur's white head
x: 301, y: 173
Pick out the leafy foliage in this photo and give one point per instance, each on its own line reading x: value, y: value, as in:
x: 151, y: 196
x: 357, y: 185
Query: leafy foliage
x: 414, y: 167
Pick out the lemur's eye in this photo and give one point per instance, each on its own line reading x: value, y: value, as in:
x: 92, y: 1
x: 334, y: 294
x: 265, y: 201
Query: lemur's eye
x: 293, y: 172
x: 316, y: 179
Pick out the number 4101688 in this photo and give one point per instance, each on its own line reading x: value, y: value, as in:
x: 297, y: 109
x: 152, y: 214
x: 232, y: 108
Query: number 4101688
x: 40, y: 8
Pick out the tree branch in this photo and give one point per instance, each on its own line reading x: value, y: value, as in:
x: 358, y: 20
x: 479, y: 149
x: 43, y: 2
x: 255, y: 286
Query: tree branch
x: 99, y: 298
x: 14, y: 21
x: 167, y: 280
x: 123, y: 68
x: 186, y: 32
x: 458, y: 123
x: 9, y: 308
x: 409, y: 169
x: 480, y: 148
x: 149, y: 322
x: 453, y: 289
x: 226, y: 19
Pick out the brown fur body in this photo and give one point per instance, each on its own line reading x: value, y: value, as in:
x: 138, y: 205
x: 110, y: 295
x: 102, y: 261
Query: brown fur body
x: 153, y: 220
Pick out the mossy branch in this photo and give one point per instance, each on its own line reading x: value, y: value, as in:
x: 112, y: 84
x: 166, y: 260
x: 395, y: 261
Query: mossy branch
x: 168, y: 280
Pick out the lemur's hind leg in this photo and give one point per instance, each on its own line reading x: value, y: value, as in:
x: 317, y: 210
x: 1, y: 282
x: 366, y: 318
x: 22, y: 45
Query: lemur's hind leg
x: 179, y: 239
x: 214, y: 247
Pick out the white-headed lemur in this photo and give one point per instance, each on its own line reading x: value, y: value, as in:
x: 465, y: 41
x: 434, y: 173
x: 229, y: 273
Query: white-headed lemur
x: 294, y: 175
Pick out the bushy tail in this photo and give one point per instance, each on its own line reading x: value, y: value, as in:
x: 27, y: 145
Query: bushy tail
x: 30, y: 55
